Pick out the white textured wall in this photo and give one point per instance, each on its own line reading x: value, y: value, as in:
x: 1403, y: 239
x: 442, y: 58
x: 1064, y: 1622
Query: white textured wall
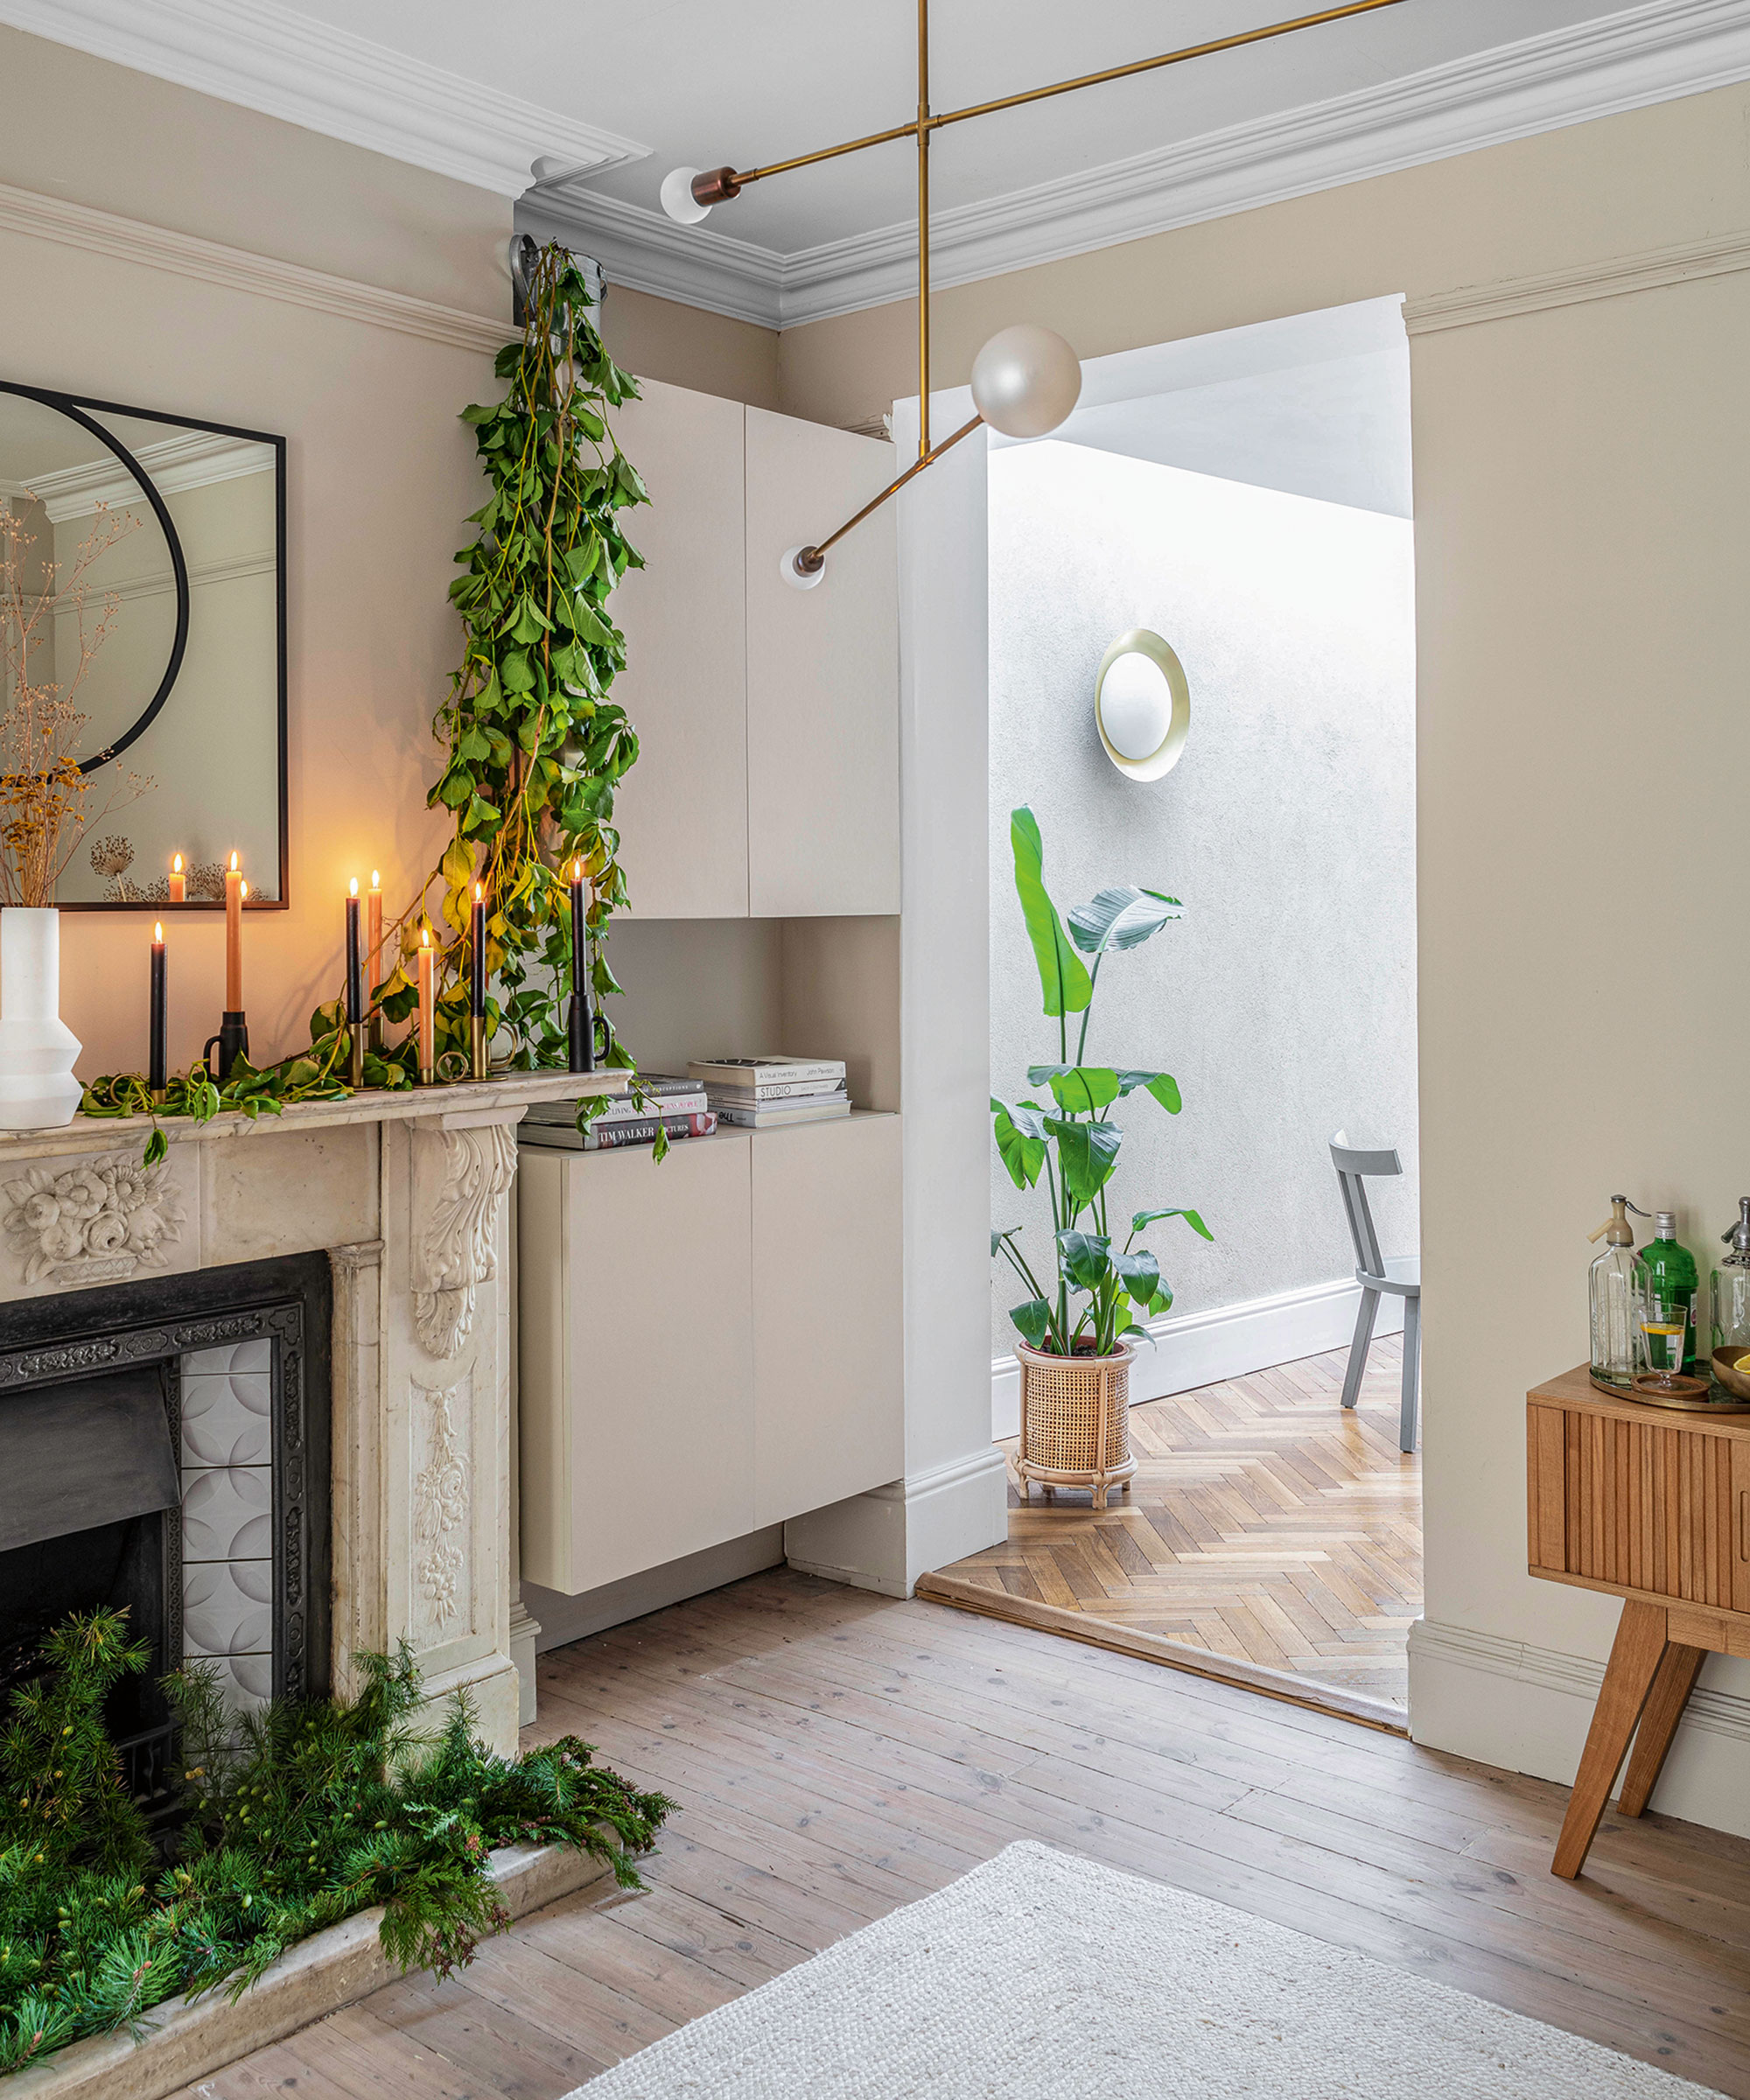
x: 1284, y: 1001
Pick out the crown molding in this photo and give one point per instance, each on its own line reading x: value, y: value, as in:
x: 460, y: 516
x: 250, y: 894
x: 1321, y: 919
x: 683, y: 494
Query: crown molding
x: 82, y: 226
x: 329, y: 80
x: 1647, y: 271
x: 1647, y: 54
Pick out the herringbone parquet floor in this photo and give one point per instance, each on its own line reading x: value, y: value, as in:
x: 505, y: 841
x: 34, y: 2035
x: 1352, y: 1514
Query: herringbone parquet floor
x: 1263, y: 1523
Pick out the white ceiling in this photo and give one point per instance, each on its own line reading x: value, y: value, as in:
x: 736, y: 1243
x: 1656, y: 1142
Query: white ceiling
x: 626, y: 89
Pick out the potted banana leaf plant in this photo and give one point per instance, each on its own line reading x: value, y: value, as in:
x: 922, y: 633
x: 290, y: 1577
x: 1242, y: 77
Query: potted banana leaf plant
x: 1075, y: 1324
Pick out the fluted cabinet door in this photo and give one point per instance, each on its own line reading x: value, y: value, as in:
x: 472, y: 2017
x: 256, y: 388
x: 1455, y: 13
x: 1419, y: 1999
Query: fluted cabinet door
x: 822, y: 677
x: 683, y: 808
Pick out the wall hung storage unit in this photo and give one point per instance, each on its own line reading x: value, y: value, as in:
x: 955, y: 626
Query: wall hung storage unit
x: 707, y: 1346
x: 767, y: 783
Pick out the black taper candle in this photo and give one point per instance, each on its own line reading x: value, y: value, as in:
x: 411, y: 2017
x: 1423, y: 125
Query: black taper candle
x: 158, y: 1058
x: 580, y: 1019
x: 477, y: 960
x: 355, y: 964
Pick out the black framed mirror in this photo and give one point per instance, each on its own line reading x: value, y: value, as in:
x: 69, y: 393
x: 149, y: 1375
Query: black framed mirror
x: 146, y: 553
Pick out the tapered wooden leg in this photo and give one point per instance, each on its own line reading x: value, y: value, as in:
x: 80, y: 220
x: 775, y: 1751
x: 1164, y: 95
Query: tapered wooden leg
x: 1634, y: 1660
x: 1665, y: 1704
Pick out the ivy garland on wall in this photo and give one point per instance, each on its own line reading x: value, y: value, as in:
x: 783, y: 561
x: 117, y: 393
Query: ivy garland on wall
x: 535, y: 747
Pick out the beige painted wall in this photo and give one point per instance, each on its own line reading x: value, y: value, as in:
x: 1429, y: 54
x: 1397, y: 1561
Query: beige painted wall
x: 1583, y: 523
x: 380, y: 474
x: 710, y: 352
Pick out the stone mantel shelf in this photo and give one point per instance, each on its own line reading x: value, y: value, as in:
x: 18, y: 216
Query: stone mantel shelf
x: 453, y: 1106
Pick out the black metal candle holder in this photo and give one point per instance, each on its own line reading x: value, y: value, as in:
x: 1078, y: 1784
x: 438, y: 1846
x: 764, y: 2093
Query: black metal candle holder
x: 232, y: 1042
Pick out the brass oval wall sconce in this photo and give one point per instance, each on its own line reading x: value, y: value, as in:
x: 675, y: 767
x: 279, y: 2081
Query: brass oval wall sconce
x: 1142, y: 705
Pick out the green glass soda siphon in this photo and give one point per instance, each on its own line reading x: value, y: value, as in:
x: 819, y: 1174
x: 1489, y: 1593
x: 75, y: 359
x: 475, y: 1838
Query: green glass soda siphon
x: 1671, y: 1268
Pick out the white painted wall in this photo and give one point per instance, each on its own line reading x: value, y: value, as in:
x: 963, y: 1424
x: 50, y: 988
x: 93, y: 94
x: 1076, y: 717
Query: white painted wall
x: 1283, y: 1002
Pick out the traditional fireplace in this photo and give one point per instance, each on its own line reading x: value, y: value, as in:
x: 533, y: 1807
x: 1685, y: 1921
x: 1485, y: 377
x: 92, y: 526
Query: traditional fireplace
x: 260, y: 1393
x: 164, y: 1447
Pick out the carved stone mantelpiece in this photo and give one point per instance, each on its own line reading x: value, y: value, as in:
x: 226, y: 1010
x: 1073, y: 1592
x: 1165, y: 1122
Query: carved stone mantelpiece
x: 405, y: 1192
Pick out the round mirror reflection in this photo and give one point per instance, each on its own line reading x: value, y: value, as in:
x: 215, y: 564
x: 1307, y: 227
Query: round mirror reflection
x: 93, y: 593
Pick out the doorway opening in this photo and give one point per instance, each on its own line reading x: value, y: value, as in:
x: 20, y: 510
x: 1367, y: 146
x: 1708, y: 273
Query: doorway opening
x: 1245, y: 498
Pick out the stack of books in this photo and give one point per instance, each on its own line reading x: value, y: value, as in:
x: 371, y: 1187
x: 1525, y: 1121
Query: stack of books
x: 771, y: 1093
x: 658, y: 1102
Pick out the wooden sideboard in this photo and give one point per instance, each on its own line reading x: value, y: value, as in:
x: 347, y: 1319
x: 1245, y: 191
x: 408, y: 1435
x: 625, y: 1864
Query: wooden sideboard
x: 1653, y: 1506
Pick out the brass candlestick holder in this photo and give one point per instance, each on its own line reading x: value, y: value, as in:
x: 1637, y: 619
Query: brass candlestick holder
x: 476, y: 1046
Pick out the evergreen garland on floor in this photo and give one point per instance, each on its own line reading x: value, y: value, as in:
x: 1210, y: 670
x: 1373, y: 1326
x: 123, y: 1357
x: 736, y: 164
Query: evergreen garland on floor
x: 299, y: 1817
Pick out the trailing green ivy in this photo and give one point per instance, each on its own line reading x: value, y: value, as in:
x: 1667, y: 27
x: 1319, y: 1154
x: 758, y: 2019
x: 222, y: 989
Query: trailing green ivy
x: 534, y: 745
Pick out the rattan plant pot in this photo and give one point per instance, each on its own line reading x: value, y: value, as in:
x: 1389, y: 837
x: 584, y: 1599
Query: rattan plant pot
x: 1075, y: 1430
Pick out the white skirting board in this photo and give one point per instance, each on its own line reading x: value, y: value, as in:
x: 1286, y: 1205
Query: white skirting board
x: 1506, y: 1703
x: 1226, y: 1342
x: 886, y: 1539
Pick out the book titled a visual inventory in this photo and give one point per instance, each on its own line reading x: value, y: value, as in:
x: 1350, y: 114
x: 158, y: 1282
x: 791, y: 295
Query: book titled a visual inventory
x: 771, y: 1093
x: 656, y: 1101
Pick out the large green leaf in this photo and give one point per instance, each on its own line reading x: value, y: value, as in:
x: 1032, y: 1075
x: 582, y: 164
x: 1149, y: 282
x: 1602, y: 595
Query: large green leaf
x: 1022, y: 1151
x: 1087, y: 1258
x: 1063, y: 978
x: 1162, y: 1085
x: 1033, y: 1321
x: 1083, y: 1088
x: 1140, y: 1273
x: 1088, y: 1153
x: 1122, y: 917
x: 1148, y: 1217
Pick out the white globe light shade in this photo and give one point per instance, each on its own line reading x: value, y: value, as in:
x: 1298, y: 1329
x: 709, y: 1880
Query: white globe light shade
x: 678, y: 200
x: 1025, y: 380
x: 1142, y: 704
x: 1136, y: 706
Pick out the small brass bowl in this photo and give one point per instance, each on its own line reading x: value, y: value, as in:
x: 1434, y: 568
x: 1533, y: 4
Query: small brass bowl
x: 1735, y: 1381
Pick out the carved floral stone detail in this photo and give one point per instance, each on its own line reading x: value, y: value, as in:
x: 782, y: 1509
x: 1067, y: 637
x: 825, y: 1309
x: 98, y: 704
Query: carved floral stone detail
x: 105, y: 1219
x: 441, y: 1494
x: 470, y: 1170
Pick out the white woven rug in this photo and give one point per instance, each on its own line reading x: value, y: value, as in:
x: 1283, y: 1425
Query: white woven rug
x: 1041, y: 1977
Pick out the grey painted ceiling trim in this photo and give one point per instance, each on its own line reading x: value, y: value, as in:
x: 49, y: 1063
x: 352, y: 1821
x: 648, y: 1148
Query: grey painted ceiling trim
x: 330, y: 81
x: 1624, y: 61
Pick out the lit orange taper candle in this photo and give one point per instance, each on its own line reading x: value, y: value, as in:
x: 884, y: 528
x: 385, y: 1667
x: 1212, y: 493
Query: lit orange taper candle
x: 428, y: 1006
x: 178, y: 881
x: 374, y: 937
x: 234, y: 938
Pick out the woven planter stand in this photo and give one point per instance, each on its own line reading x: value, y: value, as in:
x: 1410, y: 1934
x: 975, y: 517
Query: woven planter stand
x: 1076, y: 1429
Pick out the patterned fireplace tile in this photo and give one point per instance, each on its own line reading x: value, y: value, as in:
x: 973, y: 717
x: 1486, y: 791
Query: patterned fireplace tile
x: 228, y: 1608
x: 227, y: 1513
x: 230, y: 1357
x: 228, y: 1417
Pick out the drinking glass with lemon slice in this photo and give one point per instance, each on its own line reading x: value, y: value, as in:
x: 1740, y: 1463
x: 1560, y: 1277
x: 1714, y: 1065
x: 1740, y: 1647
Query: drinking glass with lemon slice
x: 1662, y: 1324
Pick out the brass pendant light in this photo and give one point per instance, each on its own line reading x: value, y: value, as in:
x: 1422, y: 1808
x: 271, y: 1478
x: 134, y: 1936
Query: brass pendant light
x: 1026, y: 380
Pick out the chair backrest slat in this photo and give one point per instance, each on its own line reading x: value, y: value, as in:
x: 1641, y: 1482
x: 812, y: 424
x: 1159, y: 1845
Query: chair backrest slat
x: 1353, y: 1165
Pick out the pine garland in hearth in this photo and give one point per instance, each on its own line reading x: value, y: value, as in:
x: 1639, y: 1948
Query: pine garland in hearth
x: 299, y: 1817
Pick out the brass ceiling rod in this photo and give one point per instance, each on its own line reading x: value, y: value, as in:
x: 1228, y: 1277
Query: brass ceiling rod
x: 1025, y: 380
x: 718, y: 185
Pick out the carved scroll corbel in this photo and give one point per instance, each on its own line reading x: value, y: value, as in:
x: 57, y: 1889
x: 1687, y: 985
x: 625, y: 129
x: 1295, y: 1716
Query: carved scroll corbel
x: 459, y: 1178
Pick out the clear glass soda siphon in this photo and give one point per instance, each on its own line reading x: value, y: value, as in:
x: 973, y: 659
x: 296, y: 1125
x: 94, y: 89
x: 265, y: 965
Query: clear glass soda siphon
x: 1618, y: 1278
x: 1732, y: 1286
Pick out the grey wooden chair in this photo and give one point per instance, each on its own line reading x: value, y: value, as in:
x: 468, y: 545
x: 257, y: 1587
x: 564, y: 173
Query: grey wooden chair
x: 1398, y: 1277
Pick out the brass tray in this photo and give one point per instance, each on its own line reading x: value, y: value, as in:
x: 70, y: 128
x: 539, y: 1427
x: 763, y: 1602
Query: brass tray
x: 1684, y: 1404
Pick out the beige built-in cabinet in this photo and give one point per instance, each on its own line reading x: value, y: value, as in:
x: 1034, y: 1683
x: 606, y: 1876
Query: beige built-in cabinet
x: 713, y: 1344
x: 767, y: 783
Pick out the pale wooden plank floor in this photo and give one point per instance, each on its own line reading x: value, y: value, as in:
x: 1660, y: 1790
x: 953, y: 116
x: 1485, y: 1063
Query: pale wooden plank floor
x: 837, y: 1755
x: 1265, y: 1522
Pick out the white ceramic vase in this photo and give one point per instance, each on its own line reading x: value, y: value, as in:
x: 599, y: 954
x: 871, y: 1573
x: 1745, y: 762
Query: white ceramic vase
x: 38, y: 1050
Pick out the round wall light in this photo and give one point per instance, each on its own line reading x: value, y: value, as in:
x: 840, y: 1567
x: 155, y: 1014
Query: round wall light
x: 1142, y: 705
